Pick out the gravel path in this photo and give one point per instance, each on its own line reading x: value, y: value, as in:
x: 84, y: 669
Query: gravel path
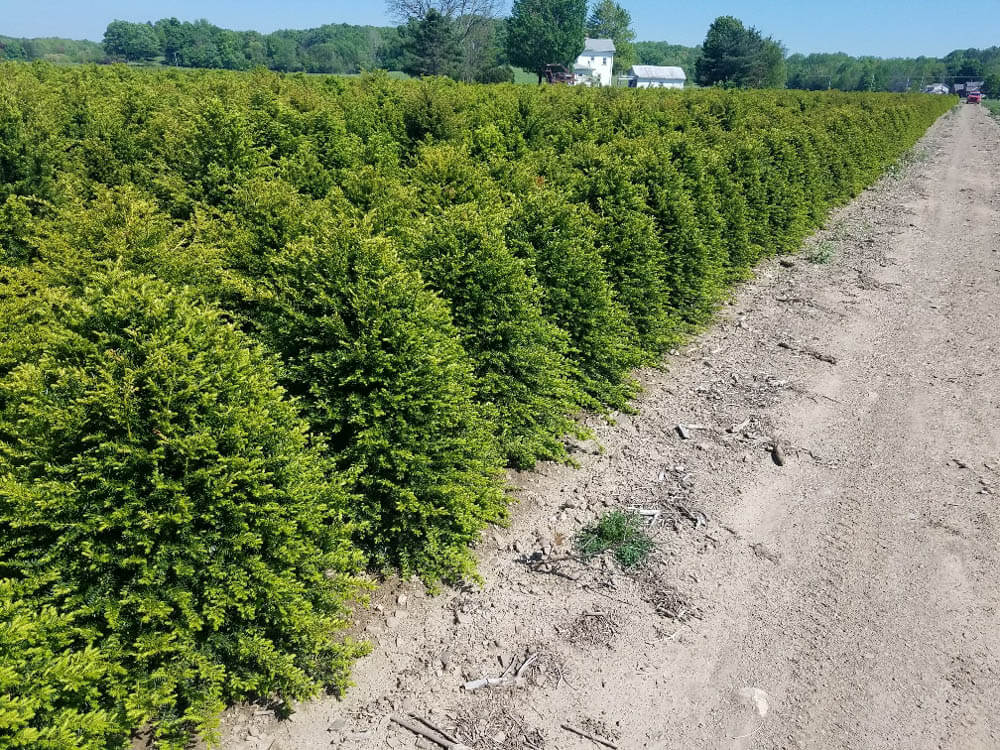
x: 847, y: 599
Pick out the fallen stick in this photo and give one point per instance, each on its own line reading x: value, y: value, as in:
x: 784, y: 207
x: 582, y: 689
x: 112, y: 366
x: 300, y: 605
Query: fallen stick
x: 589, y: 736
x: 435, y: 728
x: 427, y: 734
x: 504, y: 679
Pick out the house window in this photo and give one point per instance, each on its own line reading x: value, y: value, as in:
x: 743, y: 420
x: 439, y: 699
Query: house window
x: 604, y: 61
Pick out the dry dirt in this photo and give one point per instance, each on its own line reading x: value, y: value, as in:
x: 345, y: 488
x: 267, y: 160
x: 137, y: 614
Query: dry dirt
x: 847, y: 599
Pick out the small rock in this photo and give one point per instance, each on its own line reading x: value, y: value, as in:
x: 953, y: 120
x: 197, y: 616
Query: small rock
x: 519, y: 547
x: 765, y: 553
x: 338, y: 725
x: 683, y: 432
x: 778, y: 454
x: 787, y: 262
x: 401, y: 600
x: 499, y: 738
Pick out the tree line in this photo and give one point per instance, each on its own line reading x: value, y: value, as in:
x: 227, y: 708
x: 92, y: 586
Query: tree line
x: 469, y: 40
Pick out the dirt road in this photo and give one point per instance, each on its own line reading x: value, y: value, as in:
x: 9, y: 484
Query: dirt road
x: 847, y: 599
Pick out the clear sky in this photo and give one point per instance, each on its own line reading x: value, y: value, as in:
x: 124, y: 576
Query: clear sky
x: 878, y: 27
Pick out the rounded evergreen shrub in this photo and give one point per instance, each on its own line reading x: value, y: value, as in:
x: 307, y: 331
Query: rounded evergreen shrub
x: 157, y: 484
x: 381, y: 371
x: 520, y: 357
x: 556, y: 238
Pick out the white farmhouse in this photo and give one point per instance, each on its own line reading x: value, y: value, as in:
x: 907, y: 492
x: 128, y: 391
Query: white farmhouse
x: 595, y: 62
x: 657, y: 77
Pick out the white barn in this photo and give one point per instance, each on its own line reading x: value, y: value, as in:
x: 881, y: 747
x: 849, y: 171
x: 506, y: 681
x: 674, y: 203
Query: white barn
x: 595, y: 62
x: 657, y: 77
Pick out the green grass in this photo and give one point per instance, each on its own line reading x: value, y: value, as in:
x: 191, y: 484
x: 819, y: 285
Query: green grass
x: 523, y: 76
x: 619, y: 532
x: 993, y: 105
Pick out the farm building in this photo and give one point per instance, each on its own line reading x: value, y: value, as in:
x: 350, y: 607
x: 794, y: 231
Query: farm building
x: 593, y: 66
x: 936, y: 88
x: 657, y: 77
x: 962, y: 89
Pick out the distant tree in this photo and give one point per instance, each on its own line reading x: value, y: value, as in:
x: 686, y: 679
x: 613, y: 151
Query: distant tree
x: 971, y: 69
x: 737, y: 56
x: 283, y: 53
x: 540, y: 32
x: 991, y: 86
x: 131, y: 41
x: 430, y: 47
x: 609, y: 20
x: 472, y: 23
x: 664, y: 53
x: 12, y: 49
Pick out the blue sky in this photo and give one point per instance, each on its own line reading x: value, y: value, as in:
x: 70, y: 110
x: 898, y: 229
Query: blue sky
x: 879, y: 27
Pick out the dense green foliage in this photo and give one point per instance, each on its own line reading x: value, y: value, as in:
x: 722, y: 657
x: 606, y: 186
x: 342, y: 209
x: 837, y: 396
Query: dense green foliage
x: 665, y: 53
x: 156, y: 484
x: 53, y: 683
x: 51, y: 49
x: 258, y: 331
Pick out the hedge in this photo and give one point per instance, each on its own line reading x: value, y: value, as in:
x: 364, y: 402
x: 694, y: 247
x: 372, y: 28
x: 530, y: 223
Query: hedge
x: 259, y: 333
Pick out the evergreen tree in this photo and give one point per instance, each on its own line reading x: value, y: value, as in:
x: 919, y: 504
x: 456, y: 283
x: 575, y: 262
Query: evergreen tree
x: 430, y: 46
x: 740, y: 57
x: 156, y: 483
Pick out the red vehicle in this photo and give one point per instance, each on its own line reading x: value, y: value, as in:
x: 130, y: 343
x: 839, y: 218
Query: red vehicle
x: 974, y: 98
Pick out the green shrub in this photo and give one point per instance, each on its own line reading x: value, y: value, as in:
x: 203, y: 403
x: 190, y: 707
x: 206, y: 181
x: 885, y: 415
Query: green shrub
x: 558, y: 241
x: 156, y: 484
x: 381, y: 372
x: 520, y: 358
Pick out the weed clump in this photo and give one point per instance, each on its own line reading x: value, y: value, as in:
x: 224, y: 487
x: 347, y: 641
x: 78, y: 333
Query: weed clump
x: 620, y: 532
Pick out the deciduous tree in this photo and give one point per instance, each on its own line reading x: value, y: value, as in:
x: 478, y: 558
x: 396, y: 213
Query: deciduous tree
x: 131, y: 41
x: 609, y: 20
x: 545, y: 31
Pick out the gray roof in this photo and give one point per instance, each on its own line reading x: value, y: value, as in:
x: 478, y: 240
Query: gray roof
x: 599, y: 46
x: 660, y: 72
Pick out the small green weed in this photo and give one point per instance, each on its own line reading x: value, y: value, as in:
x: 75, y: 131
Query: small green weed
x: 823, y: 253
x: 617, y: 531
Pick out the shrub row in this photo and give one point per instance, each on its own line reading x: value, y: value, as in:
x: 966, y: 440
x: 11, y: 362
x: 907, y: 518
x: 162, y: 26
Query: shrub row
x: 260, y: 333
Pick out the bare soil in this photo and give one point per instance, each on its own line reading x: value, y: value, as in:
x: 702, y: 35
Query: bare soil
x: 846, y: 599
